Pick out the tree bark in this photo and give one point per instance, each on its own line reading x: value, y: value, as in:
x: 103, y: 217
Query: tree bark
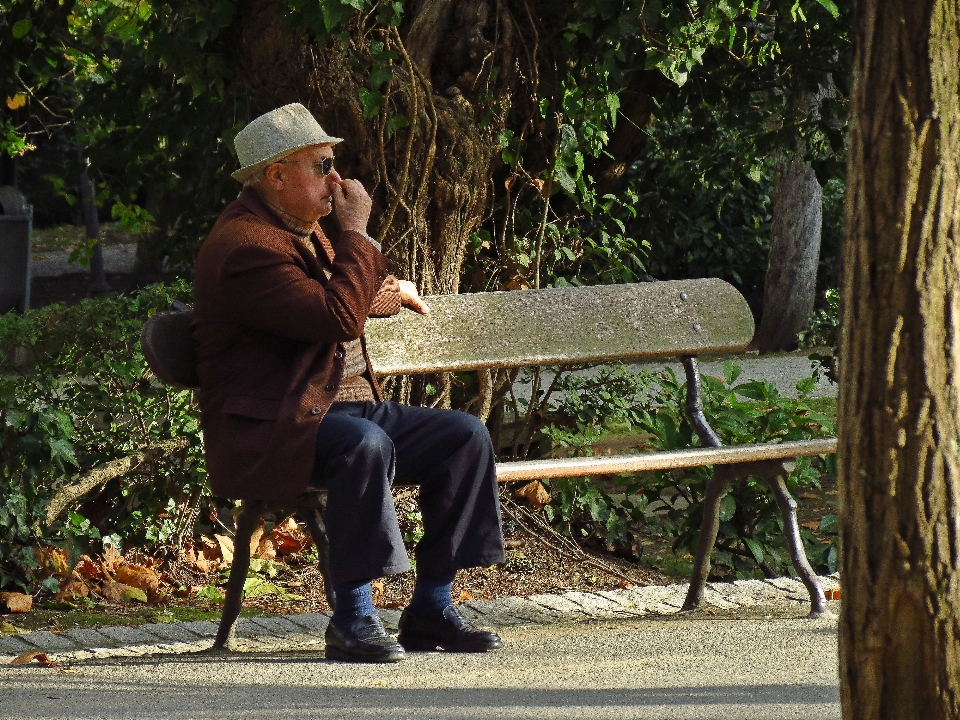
x: 790, y: 286
x: 899, y: 403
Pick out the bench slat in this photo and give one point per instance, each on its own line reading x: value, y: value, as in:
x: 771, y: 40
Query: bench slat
x: 561, y: 326
x: 668, y: 460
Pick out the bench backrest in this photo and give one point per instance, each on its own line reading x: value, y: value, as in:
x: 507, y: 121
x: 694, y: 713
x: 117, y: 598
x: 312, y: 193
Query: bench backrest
x: 553, y: 326
x: 557, y: 326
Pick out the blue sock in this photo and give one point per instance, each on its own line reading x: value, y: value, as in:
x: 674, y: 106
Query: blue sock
x: 354, y: 600
x: 431, y: 595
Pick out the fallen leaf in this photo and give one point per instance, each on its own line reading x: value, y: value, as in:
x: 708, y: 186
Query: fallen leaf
x: 255, y: 540
x: 266, y: 550
x: 34, y: 656
x: 121, y: 592
x: 226, y: 548
x: 465, y: 595
x: 138, y: 576
x: 51, y: 560
x: 7, y: 628
x: 71, y: 591
x: 809, y: 496
x: 16, y: 602
x: 289, y: 538
x: 86, y: 569
x: 111, y: 559
x: 833, y: 594
x: 534, y: 493
x: 506, y: 183
x: 378, y: 588
x: 811, y: 525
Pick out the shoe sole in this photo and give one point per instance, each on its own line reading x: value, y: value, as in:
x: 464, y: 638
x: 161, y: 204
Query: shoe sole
x: 416, y: 644
x: 334, y: 653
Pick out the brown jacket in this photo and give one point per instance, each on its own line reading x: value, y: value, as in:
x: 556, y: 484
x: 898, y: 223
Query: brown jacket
x: 268, y: 329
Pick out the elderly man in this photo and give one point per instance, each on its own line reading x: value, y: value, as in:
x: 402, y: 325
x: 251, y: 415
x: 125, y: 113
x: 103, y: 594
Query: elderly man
x: 289, y: 400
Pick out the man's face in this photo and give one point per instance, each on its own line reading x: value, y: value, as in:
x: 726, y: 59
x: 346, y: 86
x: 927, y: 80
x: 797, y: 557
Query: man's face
x: 305, y: 192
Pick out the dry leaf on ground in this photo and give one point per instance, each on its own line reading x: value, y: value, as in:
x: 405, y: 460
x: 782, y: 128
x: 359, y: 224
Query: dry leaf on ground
x: 121, y: 592
x: 16, y: 602
x: 811, y: 525
x: 71, y: 591
x: 266, y: 550
x: 112, y: 559
x: 255, y: 540
x: 289, y: 538
x: 464, y: 595
x: 378, y: 588
x: 226, y: 548
x: 138, y: 576
x: 534, y: 493
x: 87, y: 569
x: 34, y: 656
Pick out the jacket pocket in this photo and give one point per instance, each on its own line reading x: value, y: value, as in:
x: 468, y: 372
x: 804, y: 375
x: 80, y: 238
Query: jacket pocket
x: 252, y: 407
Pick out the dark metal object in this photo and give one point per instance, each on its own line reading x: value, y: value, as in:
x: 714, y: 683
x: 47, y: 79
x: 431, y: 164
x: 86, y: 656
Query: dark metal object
x: 308, y: 507
x: 16, y: 228
x: 98, y: 278
x: 773, y: 470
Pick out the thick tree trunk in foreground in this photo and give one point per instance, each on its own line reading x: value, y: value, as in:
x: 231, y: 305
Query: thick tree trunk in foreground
x: 791, y: 281
x: 899, y: 406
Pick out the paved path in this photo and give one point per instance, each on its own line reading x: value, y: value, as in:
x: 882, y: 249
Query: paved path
x: 616, y: 654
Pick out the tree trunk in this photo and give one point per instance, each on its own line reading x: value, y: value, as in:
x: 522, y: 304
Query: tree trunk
x: 899, y: 404
x: 790, y: 286
x: 430, y: 177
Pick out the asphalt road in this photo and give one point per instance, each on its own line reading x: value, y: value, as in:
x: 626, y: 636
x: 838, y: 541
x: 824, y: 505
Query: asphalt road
x: 664, y: 668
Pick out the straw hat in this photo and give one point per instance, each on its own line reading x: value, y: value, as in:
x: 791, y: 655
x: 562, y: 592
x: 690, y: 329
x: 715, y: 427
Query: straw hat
x: 273, y: 136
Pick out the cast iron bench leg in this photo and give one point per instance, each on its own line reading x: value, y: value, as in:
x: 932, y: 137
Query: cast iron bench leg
x: 247, y: 522
x: 773, y: 473
x: 709, y: 527
x: 788, y: 510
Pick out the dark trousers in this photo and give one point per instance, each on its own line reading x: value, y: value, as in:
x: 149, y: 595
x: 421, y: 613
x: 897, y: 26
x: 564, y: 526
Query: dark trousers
x: 363, y: 446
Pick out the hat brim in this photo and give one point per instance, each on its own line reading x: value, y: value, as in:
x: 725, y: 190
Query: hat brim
x: 245, y: 173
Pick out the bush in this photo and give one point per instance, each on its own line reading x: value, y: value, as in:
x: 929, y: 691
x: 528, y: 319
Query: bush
x: 75, y: 392
x: 750, y: 536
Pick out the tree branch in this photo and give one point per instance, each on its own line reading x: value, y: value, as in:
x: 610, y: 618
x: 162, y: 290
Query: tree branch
x: 106, y: 472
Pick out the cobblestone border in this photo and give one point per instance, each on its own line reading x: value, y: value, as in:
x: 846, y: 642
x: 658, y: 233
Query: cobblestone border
x: 305, y: 631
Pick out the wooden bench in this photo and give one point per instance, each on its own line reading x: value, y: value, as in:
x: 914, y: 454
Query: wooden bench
x: 553, y: 327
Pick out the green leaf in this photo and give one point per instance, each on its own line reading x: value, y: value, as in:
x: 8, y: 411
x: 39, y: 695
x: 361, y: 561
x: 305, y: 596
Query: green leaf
x: 728, y: 506
x: 22, y: 27
x: 828, y: 523
x: 372, y: 101
x: 756, y: 549
x: 831, y: 7
x: 395, y: 123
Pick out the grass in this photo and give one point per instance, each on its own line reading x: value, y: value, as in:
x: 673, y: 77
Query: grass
x: 63, y: 616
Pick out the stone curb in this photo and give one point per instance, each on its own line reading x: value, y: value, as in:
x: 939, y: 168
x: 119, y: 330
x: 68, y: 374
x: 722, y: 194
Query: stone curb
x: 305, y: 631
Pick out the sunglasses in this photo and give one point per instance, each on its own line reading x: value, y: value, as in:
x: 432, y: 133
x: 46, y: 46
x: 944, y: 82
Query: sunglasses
x: 321, y: 169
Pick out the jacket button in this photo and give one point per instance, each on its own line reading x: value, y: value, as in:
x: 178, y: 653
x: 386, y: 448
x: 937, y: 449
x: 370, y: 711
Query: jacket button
x: 329, y: 388
x: 339, y: 354
x: 315, y: 411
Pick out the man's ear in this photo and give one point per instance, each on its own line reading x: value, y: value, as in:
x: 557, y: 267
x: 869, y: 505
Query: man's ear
x: 273, y: 175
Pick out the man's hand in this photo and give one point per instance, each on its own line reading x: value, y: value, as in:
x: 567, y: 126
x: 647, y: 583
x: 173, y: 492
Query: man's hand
x: 351, y: 205
x: 411, y: 298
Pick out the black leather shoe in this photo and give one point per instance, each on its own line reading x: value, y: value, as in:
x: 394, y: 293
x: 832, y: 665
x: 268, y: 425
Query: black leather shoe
x: 364, y: 640
x: 452, y: 632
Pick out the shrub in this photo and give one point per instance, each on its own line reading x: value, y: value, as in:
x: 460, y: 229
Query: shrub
x: 75, y: 392
x: 750, y: 536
